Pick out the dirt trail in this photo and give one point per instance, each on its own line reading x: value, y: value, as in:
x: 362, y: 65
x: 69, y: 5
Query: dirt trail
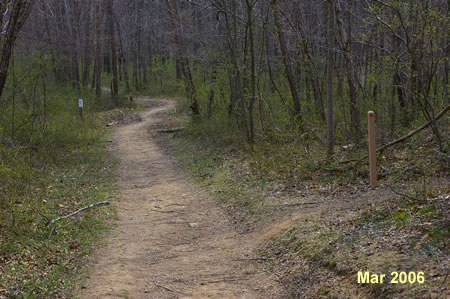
x: 171, y: 240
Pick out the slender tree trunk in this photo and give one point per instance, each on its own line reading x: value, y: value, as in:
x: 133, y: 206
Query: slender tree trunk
x: 252, y: 70
x: 53, y: 56
x: 98, y: 49
x: 179, y: 72
x: 330, y: 75
x: 135, y: 66
x: 112, y: 42
x: 211, y: 94
x: 75, y: 71
x: 286, y: 61
x: 345, y: 40
x: 137, y: 63
x: 144, y: 71
x: 122, y: 56
x: 187, y: 75
x: 72, y: 13
x: 150, y: 65
x: 87, y: 45
x: 19, y: 14
x: 445, y: 81
x: 237, y: 101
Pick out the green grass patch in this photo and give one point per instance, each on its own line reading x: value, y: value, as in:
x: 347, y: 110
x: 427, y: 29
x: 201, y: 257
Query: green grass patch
x: 38, y: 260
x: 52, y: 163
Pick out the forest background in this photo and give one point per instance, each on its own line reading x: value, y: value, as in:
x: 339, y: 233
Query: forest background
x: 277, y: 93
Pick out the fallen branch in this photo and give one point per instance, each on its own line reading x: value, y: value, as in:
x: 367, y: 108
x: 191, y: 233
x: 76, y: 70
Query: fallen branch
x: 255, y: 259
x: 165, y: 212
x: 94, y: 205
x: 298, y: 204
x: 445, y: 279
x: 403, y: 138
x: 415, y: 131
x: 172, y: 130
x: 162, y: 287
x: 351, y: 160
x: 223, y: 280
x: 403, y: 194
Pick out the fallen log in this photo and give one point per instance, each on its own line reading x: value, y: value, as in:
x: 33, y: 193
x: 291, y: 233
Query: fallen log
x: 94, y: 205
x: 403, y: 138
x: 415, y: 131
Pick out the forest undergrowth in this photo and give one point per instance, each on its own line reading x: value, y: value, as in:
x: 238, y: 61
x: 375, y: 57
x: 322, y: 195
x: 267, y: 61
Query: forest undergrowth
x: 52, y: 164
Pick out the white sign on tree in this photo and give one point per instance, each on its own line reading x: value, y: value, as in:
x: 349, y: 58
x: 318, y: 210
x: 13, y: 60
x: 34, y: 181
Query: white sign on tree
x: 80, y: 107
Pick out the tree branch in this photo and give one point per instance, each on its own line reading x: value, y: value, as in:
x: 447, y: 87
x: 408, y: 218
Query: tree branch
x: 403, y: 138
x: 413, y: 132
x: 97, y: 204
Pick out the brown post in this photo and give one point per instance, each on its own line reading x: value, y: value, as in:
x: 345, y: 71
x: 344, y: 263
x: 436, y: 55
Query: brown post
x: 372, y: 149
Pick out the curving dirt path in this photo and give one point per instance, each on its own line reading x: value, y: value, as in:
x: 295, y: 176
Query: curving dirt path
x: 171, y: 240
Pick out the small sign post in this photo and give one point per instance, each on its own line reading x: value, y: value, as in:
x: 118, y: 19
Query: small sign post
x: 80, y: 107
x: 372, y: 149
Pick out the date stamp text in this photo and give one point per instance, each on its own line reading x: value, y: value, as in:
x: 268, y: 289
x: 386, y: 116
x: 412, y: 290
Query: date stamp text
x: 365, y: 277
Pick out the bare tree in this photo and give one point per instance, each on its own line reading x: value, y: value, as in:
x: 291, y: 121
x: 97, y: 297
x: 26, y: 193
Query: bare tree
x: 180, y: 50
x: 345, y: 41
x: 87, y: 57
x: 112, y: 43
x: 98, y: 48
x: 20, y: 11
x: 330, y: 75
x: 285, y: 56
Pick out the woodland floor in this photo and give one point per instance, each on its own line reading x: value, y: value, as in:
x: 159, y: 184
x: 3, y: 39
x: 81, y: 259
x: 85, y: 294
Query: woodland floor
x: 171, y: 240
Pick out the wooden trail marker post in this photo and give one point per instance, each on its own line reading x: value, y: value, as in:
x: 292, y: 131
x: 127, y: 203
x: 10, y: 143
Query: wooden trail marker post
x: 80, y: 107
x: 372, y: 149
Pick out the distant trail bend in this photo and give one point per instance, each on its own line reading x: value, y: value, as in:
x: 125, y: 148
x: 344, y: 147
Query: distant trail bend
x: 171, y: 240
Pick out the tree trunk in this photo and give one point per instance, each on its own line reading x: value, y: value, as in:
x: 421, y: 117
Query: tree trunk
x: 184, y: 62
x: 72, y: 14
x: 75, y: 71
x: 98, y: 49
x: 137, y: 63
x: 112, y: 42
x: 19, y: 14
x: 144, y: 71
x: 135, y: 66
x: 286, y: 61
x: 211, y: 94
x: 87, y: 46
x: 330, y: 75
x: 345, y: 41
x: 122, y: 56
x: 252, y: 70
